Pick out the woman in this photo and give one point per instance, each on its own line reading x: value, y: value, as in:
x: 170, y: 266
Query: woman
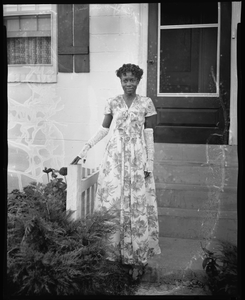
x: 126, y: 173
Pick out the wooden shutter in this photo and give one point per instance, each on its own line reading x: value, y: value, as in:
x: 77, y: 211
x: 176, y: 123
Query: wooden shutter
x: 73, y: 38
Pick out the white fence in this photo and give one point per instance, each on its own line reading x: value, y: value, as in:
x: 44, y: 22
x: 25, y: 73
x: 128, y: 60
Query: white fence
x: 81, y: 189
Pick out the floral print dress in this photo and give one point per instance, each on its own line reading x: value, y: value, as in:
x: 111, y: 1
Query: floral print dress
x: 122, y: 184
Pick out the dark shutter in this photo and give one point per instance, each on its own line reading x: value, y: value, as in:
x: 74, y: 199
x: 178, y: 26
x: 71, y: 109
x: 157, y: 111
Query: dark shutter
x: 73, y: 38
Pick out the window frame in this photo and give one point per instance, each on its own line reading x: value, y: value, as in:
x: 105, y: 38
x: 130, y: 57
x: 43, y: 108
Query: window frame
x: 40, y: 73
x: 189, y: 26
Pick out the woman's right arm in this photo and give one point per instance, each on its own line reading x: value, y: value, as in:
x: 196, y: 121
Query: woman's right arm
x: 107, y: 121
x: 98, y: 136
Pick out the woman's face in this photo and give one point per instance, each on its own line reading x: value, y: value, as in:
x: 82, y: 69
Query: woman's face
x: 129, y: 83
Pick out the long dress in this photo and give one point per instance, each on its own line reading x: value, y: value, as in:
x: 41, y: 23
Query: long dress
x: 122, y: 184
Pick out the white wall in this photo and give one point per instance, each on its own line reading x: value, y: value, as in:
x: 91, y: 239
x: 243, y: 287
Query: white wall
x: 49, y: 123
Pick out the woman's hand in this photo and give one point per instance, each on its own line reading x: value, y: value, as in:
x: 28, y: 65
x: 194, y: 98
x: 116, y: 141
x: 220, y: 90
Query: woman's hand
x: 82, y: 155
x: 148, y: 168
x: 75, y: 160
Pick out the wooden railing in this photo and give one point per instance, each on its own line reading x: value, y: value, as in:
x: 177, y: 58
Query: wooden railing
x: 81, y: 189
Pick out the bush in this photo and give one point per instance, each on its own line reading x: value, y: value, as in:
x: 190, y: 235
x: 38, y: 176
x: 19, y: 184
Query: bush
x: 49, y: 254
x: 221, y: 268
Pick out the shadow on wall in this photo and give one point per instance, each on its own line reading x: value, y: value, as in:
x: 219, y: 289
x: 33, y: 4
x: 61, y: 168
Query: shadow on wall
x: 34, y: 138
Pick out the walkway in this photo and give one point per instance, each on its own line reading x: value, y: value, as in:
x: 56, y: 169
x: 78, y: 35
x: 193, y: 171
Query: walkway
x: 177, y: 270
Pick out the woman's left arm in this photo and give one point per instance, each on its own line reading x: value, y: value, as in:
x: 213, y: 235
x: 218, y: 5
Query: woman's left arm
x: 149, y: 140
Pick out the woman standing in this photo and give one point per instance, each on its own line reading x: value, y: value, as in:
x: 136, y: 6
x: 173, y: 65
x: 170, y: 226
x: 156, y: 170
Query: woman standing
x: 126, y: 173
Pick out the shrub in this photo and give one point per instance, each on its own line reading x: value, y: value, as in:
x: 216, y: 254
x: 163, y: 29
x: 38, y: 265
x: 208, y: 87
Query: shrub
x: 49, y: 254
x: 221, y: 268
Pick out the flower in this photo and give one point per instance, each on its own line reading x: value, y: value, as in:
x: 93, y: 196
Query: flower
x: 63, y: 171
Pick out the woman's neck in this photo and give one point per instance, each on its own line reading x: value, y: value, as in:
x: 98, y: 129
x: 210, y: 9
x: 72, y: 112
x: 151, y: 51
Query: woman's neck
x: 129, y: 97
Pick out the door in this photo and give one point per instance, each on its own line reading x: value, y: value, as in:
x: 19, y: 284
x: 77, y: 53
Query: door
x: 188, y: 76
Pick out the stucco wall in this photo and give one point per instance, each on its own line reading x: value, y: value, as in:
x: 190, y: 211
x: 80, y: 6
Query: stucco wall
x: 49, y: 123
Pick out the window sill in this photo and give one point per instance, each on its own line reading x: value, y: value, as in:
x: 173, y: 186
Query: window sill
x: 38, y: 74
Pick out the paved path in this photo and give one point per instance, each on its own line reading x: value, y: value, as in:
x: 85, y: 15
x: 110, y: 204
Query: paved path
x: 177, y: 270
x: 178, y: 289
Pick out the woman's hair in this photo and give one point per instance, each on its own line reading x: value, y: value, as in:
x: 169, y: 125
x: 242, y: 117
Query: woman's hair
x: 135, y: 70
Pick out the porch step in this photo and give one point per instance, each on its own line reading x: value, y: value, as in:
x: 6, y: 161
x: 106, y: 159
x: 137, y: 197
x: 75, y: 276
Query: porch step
x: 196, y: 188
x: 187, y: 211
x: 193, y: 224
x: 196, y: 153
x: 212, y: 166
x: 187, y: 196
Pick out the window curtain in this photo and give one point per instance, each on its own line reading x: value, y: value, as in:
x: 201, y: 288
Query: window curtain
x: 29, y: 50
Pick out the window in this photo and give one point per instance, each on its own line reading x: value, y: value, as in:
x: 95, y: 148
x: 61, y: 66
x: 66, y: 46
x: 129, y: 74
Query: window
x: 31, y: 42
x: 43, y: 39
x: 29, y: 39
x: 188, y: 49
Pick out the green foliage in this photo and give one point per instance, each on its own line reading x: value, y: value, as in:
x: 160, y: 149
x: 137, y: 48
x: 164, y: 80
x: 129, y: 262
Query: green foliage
x: 221, y: 268
x: 50, y: 254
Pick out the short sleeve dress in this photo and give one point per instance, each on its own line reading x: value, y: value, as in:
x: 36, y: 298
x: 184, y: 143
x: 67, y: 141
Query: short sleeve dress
x: 121, y: 181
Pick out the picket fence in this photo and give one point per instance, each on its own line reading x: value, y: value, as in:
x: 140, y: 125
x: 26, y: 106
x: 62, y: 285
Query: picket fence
x: 81, y: 189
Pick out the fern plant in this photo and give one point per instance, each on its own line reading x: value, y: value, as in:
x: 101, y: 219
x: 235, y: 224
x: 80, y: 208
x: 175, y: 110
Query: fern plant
x: 49, y: 254
x: 221, y: 268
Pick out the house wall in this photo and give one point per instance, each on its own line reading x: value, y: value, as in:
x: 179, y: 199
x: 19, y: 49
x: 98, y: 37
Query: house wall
x: 48, y: 124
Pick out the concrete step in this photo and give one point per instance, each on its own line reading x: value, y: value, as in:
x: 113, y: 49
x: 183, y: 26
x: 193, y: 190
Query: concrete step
x: 196, y: 188
x: 178, y: 172
x: 201, y: 165
x: 196, y: 197
x: 197, y: 212
x: 211, y: 154
x: 197, y: 224
x: 180, y: 259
